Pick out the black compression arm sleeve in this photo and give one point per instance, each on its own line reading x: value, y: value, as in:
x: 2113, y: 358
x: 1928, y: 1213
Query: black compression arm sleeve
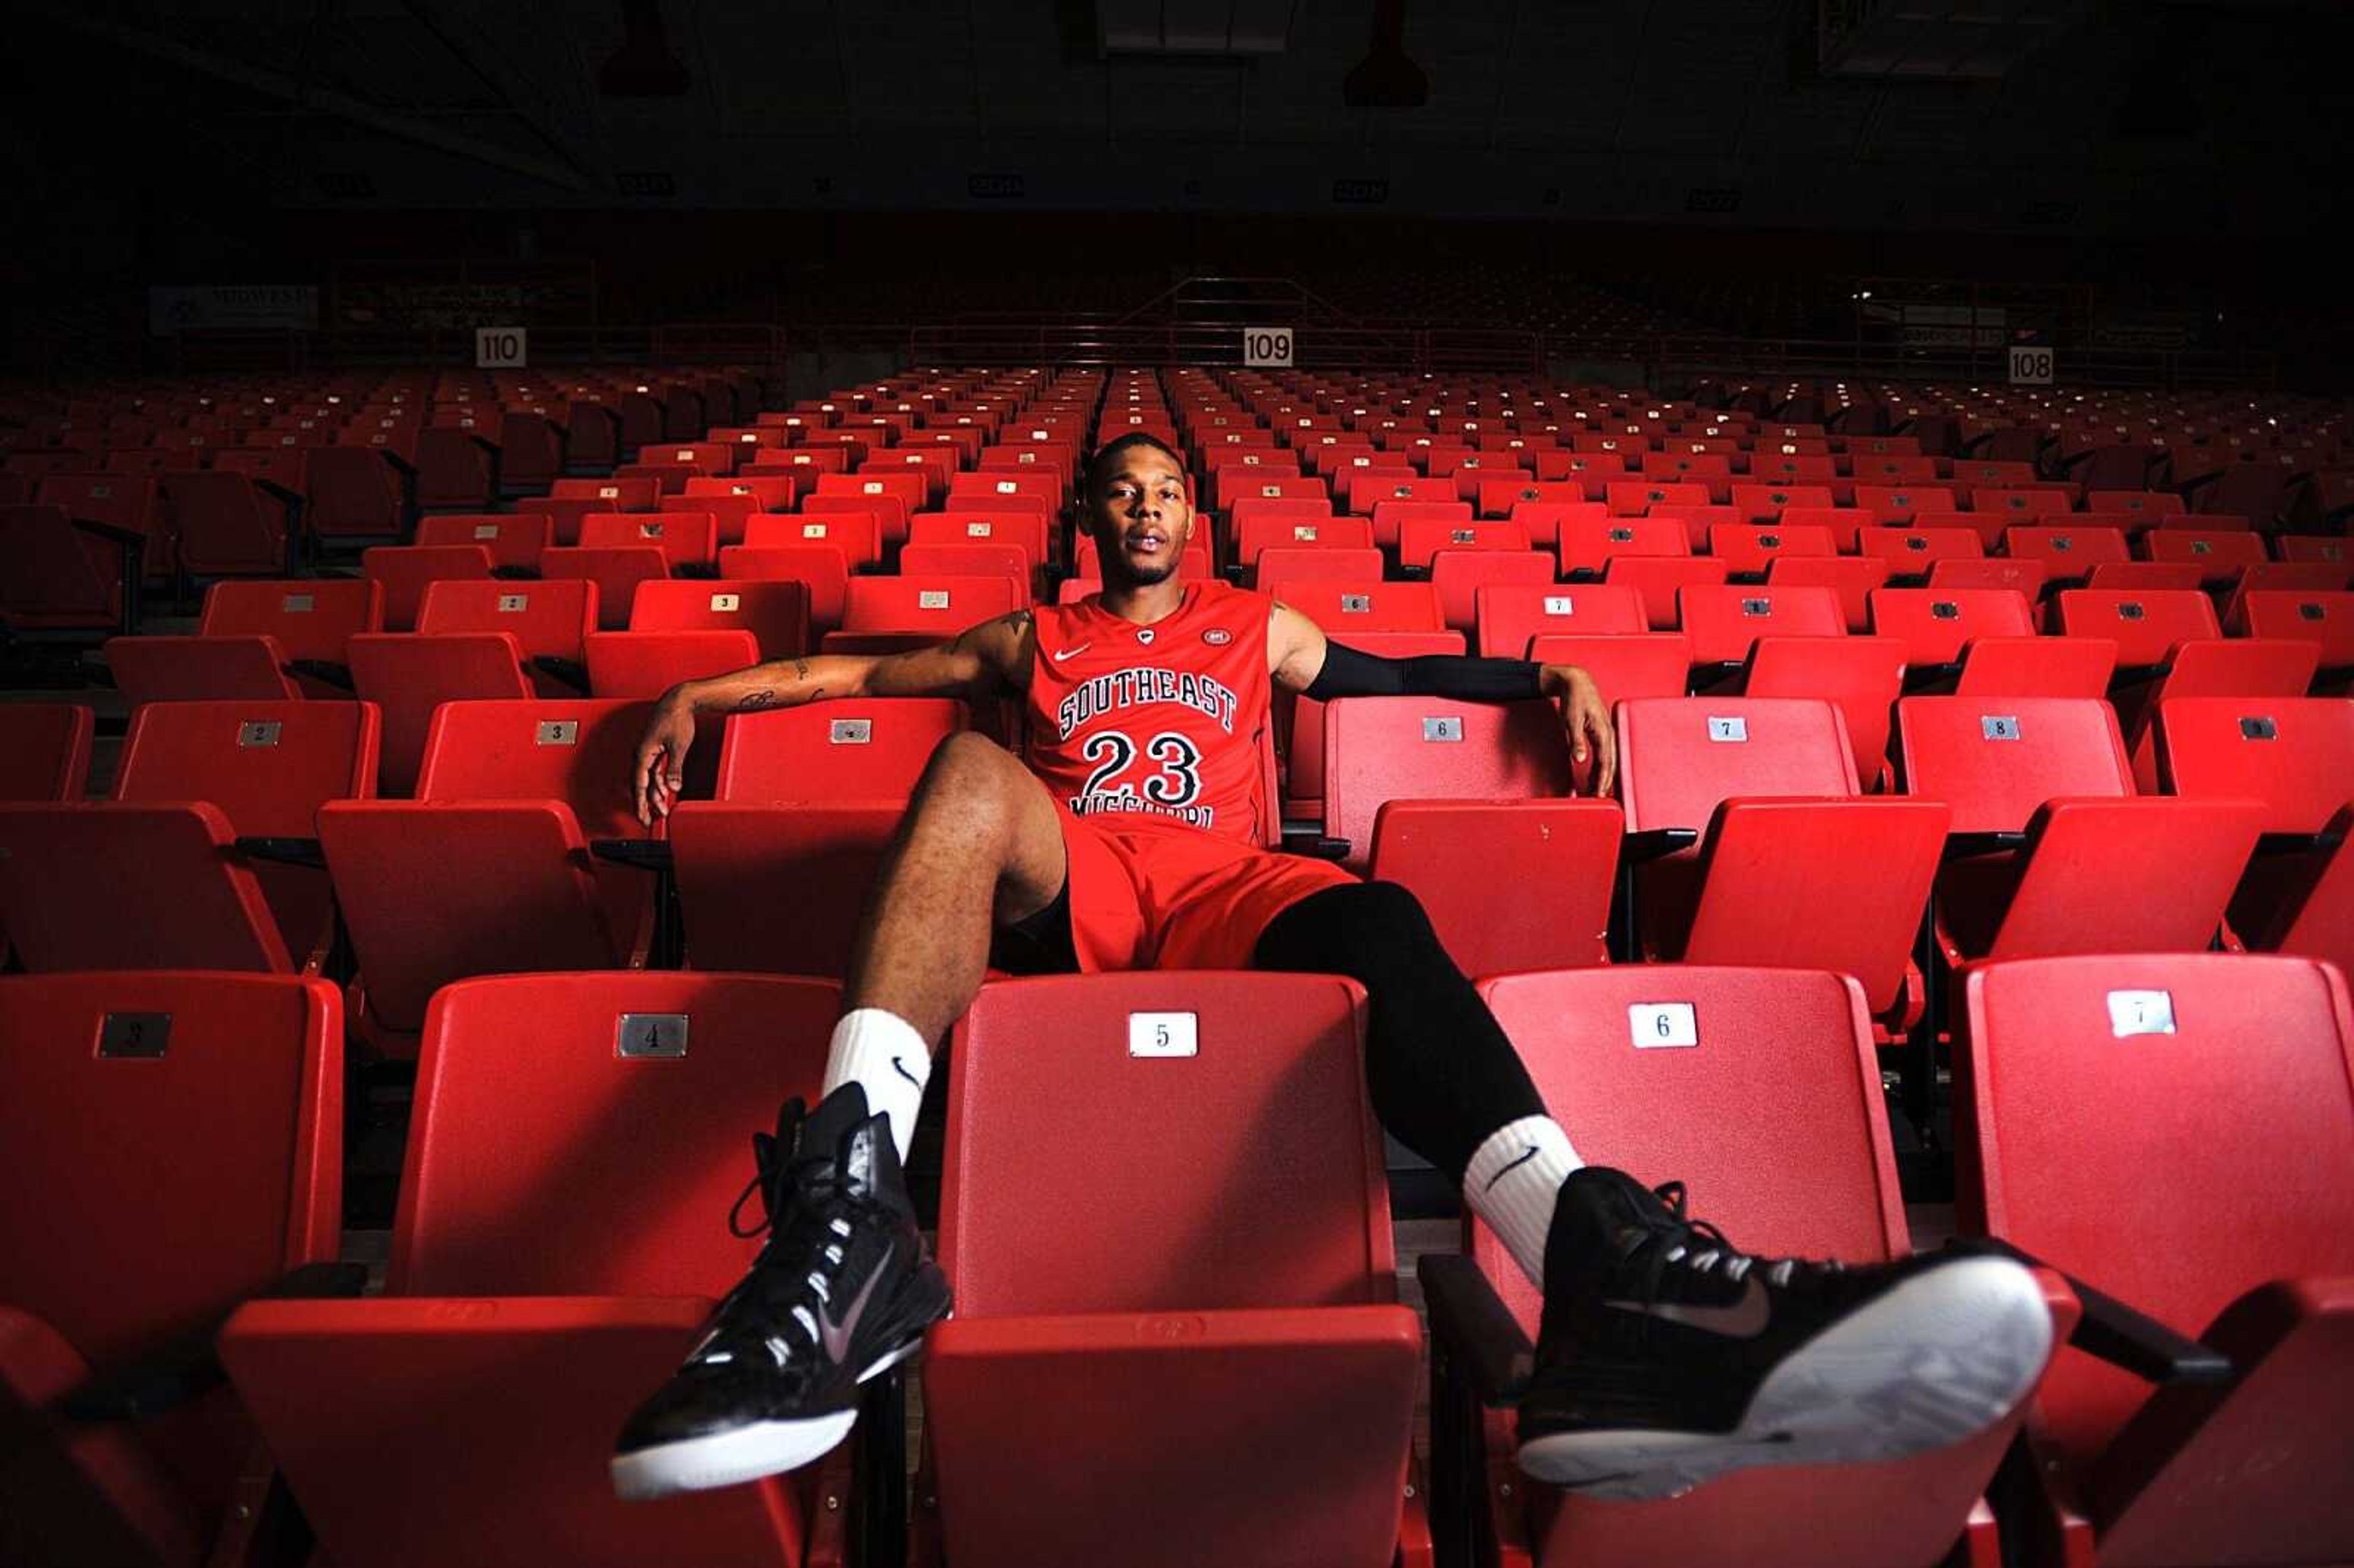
x: 1349, y: 673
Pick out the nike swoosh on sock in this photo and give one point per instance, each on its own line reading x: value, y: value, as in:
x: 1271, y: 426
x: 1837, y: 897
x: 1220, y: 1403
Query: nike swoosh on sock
x: 1516, y: 1164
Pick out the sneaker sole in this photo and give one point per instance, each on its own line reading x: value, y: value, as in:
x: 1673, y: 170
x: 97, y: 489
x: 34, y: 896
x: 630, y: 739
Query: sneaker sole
x: 1937, y: 1361
x: 746, y: 1453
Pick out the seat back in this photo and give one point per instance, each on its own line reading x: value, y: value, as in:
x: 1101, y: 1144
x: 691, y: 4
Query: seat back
x: 1165, y: 1228
x: 2146, y: 624
x: 1510, y: 614
x: 1565, y: 854
x: 207, y: 1106
x: 150, y: 668
x: 775, y: 613
x: 550, y: 620
x: 2228, y: 1075
x: 1934, y: 622
x: 407, y: 571
x: 2326, y: 618
x: 1590, y: 544
x: 1219, y: 1290
x: 2295, y: 754
x: 1862, y: 675
x: 408, y: 674
x: 1996, y: 760
x: 538, y: 1285
x: 1680, y: 758
x: 1378, y: 749
x: 646, y: 664
x: 513, y: 539
x: 311, y: 617
x: 685, y: 539
x: 577, y: 752
x: 44, y: 750
x: 1853, y: 577
x: 835, y: 751
x: 1724, y: 620
x: 508, y: 1194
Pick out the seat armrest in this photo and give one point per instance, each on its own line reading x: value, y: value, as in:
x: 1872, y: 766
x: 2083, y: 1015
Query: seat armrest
x: 281, y: 850
x: 322, y: 670
x: 1919, y: 678
x: 571, y: 672
x: 1962, y: 846
x: 645, y: 855
x: 1655, y: 844
x: 1307, y: 841
x: 1480, y: 1335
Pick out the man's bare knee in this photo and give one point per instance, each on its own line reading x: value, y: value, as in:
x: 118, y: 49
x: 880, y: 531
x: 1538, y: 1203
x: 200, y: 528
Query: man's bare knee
x: 969, y: 774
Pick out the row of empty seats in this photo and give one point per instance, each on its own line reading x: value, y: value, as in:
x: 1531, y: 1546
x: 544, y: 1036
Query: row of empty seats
x: 1210, y: 1356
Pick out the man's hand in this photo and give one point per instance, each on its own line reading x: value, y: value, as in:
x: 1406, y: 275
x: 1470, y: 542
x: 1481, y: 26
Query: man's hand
x: 1588, y: 718
x: 662, y: 758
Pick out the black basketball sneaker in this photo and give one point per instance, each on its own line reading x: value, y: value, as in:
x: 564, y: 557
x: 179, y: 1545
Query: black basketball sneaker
x: 1665, y: 1358
x: 840, y: 1291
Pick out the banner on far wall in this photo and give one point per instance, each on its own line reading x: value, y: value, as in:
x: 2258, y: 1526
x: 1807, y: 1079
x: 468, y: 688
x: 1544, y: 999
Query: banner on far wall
x: 173, y: 308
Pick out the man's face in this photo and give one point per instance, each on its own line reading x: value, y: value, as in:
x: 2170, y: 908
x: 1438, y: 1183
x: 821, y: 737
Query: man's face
x: 1140, y: 519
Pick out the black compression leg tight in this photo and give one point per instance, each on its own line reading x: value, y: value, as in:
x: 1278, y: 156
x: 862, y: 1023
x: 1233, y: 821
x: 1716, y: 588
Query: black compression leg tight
x: 1442, y: 1075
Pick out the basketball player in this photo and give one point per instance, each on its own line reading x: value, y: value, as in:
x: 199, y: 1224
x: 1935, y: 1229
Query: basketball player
x: 1125, y: 840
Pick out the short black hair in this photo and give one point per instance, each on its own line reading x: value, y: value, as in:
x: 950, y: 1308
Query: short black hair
x: 1105, y: 456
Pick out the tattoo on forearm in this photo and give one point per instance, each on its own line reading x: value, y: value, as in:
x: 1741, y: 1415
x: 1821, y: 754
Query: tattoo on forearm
x: 752, y: 701
x: 800, y: 669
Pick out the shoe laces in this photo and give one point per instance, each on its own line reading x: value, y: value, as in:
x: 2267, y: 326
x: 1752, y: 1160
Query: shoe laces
x: 787, y: 1184
x: 1700, y: 1247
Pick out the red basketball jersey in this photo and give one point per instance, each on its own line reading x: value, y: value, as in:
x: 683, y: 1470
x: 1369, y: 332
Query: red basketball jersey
x: 1160, y: 722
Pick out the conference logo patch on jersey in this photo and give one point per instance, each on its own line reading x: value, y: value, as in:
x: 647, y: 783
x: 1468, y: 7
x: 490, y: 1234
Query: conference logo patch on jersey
x: 1218, y: 637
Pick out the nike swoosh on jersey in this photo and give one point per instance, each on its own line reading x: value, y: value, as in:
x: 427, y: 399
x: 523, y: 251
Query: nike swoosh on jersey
x: 1070, y: 653
x: 836, y: 1335
x: 1742, y: 1320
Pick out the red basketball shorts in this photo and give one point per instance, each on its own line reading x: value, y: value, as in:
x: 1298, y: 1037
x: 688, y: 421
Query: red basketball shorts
x: 1147, y: 895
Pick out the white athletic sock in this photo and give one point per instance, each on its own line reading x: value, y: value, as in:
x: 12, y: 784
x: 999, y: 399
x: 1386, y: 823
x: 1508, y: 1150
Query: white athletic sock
x: 1513, y: 1178
x: 882, y: 1054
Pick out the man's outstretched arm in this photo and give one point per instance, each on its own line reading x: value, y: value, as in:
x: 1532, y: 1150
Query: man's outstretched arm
x: 980, y: 662
x: 1302, y: 659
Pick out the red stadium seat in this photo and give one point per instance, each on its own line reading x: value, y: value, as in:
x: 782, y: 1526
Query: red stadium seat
x: 1934, y: 623
x: 310, y: 618
x: 513, y: 539
x: 2067, y: 551
x: 1723, y: 621
x: 822, y: 570
x: 1662, y: 581
x: 883, y: 615
x: 1631, y: 664
x: 1789, y: 868
x: 1341, y: 608
x: 1563, y: 853
x: 533, y: 1298
x: 154, y: 878
x: 1509, y: 615
x: 408, y: 674
x: 1862, y: 674
x: 2078, y: 864
x: 2295, y: 755
x: 1255, y: 535
x: 488, y: 871
x: 808, y: 798
x: 571, y: 500
x: 355, y: 492
x: 2037, y: 667
x: 57, y: 574
x: 1378, y: 749
x: 686, y: 539
x: 2168, y: 1040
x: 200, y: 669
x: 614, y: 571
x: 209, y: 1106
x: 1805, y: 1168
x: 2145, y: 627
x: 1853, y: 577
x: 1280, y: 566
x: 644, y: 665
x: 407, y: 571
x: 2322, y: 618
x: 1748, y: 549
x: 1914, y: 551
x: 1460, y: 575
x: 1588, y: 546
x: 44, y: 750
x: 775, y: 613
x: 230, y: 524
x: 457, y: 469
x: 1292, y: 1330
